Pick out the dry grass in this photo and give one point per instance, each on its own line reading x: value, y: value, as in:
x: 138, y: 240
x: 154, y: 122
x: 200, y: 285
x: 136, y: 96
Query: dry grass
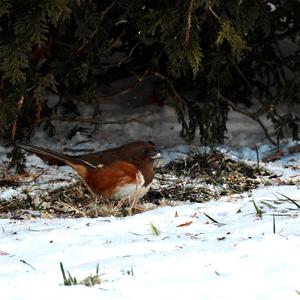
x: 199, y: 178
x: 204, y: 176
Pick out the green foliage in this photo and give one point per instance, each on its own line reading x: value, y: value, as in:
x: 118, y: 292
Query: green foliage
x: 4, y: 7
x: 14, y: 59
x: 69, y: 280
x: 154, y: 229
x: 227, y: 32
x: 259, y: 211
x: 17, y: 160
x: 38, y: 32
x: 193, y: 56
x: 213, y: 220
x: 203, y: 51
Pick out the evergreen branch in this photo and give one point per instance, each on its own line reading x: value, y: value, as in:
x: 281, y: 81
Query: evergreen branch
x: 38, y: 32
x: 96, y: 120
x: 57, y: 45
x: 14, y: 128
x: 246, y: 81
x: 124, y: 59
x: 213, y: 12
x: 265, y: 107
x: 126, y: 90
x: 188, y: 24
x: 175, y: 93
x: 229, y: 33
x: 103, y: 13
x: 248, y: 114
x: 83, y: 46
x: 14, y: 60
x: 193, y: 56
x: 186, y: 129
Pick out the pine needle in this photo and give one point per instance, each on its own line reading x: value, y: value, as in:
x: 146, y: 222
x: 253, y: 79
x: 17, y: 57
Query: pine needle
x: 274, y: 224
x: 212, y: 219
x: 290, y: 199
x: 259, y: 212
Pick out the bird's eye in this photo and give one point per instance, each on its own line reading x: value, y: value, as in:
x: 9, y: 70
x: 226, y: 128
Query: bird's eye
x: 146, y: 150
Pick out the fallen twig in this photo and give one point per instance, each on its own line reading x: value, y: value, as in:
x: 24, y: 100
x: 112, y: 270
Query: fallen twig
x: 26, y: 263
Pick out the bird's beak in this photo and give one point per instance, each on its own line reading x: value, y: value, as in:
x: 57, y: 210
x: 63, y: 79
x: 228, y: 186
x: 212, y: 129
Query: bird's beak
x: 156, y: 155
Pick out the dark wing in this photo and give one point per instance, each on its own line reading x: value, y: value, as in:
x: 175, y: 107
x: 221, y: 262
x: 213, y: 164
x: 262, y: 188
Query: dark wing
x: 101, y: 158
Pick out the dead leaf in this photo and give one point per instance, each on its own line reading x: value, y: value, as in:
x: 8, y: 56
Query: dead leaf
x: 13, y: 130
x: 277, y: 179
x: 2, y: 253
x: 18, y: 179
x: 294, y: 149
x: 14, y: 125
x: 185, y: 224
x: 273, y: 156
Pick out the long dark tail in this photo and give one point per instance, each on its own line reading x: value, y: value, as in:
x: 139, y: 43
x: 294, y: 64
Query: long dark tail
x: 47, y: 154
x: 78, y: 164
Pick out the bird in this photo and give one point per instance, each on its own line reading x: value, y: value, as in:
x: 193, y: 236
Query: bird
x: 117, y: 174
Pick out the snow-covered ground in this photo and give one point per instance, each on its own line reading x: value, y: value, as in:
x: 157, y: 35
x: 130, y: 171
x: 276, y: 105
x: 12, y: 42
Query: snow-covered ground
x: 192, y: 257
x: 221, y: 249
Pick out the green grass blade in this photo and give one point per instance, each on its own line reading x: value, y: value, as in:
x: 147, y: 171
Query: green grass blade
x: 259, y: 212
x: 290, y: 199
x: 154, y: 230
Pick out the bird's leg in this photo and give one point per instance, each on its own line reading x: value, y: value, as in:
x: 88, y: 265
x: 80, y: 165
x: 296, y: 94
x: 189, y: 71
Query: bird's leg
x: 96, y: 202
x: 134, y: 207
x: 121, y: 203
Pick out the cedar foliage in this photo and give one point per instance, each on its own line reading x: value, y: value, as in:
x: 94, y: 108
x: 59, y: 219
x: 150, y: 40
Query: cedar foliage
x: 209, y: 56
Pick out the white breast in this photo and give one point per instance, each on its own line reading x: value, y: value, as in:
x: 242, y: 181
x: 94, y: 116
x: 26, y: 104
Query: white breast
x: 132, y: 191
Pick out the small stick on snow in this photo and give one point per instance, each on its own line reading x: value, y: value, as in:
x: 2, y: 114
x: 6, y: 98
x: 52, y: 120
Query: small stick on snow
x: 26, y: 263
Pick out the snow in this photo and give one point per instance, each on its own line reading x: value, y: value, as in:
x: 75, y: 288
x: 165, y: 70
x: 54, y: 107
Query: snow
x: 9, y: 194
x: 239, y: 257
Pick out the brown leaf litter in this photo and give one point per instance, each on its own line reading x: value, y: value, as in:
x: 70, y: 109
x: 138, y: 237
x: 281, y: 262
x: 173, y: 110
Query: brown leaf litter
x: 198, y: 178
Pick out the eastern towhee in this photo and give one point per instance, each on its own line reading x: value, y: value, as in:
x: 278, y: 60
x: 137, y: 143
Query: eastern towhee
x: 122, y: 173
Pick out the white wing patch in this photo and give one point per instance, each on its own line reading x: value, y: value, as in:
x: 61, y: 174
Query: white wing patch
x: 91, y: 165
x: 86, y: 162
